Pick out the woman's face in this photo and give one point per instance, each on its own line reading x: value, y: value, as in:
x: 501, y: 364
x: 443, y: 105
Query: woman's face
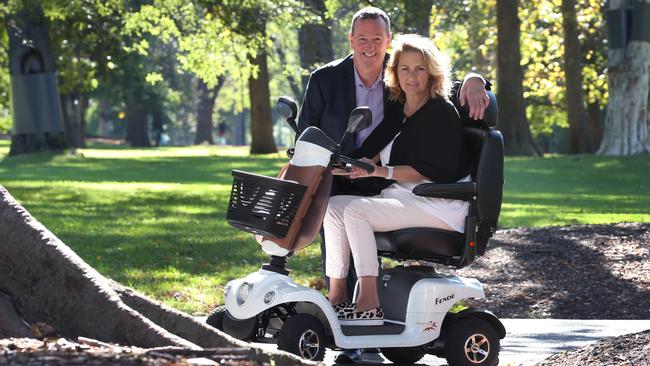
x: 412, y: 73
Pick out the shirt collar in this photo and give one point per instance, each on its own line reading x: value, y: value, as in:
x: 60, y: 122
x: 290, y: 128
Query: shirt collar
x: 359, y: 82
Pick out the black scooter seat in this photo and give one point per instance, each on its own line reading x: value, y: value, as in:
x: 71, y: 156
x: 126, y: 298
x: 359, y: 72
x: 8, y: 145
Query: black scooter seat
x: 419, y: 243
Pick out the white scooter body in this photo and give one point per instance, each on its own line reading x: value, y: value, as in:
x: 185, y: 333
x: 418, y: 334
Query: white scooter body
x: 268, y: 306
x: 429, y: 302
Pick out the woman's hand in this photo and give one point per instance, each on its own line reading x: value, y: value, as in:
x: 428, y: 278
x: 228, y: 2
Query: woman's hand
x: 357, y: 173
x: 340, y: 171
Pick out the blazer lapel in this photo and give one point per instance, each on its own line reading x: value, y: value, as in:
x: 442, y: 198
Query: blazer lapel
x: 349, y: 100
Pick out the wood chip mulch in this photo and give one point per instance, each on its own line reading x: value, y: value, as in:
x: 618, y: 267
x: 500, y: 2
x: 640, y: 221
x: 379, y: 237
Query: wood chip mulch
x: 570, y: 272
x: 627, y: 350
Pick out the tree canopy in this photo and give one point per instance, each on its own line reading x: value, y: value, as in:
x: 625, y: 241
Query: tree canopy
x: 110, y: 54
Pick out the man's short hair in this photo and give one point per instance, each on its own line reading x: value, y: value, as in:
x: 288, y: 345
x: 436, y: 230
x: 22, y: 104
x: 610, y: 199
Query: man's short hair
x: 370, y: 12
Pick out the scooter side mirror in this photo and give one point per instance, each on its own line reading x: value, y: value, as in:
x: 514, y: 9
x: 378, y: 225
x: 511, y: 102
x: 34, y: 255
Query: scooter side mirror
x: 360, y: 118
x: 288, y: 109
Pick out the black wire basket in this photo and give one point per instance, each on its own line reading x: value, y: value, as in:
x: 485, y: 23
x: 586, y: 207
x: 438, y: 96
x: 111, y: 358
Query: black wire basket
x: 263, y: 205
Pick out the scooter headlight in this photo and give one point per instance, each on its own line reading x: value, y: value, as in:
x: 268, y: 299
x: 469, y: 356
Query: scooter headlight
x: 243, y: 292
x: 268, y: 298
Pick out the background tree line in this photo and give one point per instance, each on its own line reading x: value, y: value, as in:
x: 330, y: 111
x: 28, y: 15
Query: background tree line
x: 173, y: 72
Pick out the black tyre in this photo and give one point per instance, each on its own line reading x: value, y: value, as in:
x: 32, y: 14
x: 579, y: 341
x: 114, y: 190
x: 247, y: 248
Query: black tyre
x: 215, y: 319
x: 238, y: 328
x: 472, y: 341
x: 403, y: 355
x: 303, y: 335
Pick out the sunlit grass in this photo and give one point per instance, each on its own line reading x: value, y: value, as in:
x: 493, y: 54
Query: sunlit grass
x: 582, y: 189
x: 154, y: 219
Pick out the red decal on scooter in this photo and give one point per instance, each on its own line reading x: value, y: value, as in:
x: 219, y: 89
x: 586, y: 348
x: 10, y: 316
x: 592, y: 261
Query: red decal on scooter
x: 431, y: 326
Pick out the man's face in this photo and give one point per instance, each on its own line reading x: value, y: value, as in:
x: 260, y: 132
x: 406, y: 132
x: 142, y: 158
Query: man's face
x: 369, y: 44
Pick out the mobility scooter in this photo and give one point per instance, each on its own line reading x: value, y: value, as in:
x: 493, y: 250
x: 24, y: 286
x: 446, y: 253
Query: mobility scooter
x: 285, y: 213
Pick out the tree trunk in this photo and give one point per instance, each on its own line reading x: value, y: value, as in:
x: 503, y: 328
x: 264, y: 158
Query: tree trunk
x: 628, y: 73
x: 579, y: 134
x: 137, y: 131
x: 418, y: 16
x: 512, y: 109
x: 204, y: 122
x: 315, y: 41
x: 481, y: 62
x: 74, y: 107
x: 593, y: 111
x: 262, y: 141
x: 84, y: 103
x: 36, y: 109
x: 43, y: 280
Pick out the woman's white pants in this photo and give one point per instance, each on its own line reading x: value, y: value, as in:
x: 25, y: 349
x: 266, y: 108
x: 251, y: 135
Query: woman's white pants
x: 350, y: 223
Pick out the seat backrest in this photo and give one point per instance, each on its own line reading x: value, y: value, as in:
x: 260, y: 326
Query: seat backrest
x: 486, y: 148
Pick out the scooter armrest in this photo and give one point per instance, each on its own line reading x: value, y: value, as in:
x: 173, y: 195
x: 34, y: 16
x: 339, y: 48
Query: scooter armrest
x: 465, y: 191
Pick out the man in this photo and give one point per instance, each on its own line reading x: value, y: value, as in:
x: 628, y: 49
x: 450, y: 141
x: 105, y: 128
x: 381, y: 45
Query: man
x: 335, y: 89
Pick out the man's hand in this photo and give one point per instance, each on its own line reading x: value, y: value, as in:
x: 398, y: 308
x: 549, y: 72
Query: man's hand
x: 473, y: 92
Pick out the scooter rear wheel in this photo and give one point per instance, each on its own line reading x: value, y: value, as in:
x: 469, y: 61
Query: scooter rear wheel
x: 403, y: 355
x: 472, y: 341
x: 303, y: 335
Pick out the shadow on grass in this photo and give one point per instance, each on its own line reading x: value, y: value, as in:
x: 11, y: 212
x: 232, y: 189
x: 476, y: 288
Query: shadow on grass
x: 156, y: 232
x: 190, y: 169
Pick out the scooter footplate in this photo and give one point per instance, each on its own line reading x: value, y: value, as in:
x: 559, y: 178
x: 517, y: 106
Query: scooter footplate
x: 359, y: 330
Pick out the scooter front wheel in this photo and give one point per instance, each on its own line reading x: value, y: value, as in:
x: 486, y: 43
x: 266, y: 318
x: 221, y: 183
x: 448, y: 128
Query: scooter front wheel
x: 243, y: 329
x: 215, y: 318
x: 303, y: 335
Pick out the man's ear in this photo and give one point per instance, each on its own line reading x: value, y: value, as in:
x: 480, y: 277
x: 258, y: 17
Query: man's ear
x: 351, y: 39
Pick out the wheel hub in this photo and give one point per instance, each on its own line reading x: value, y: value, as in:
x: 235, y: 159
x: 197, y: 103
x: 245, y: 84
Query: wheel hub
x: 309, y: 344
x: 477, y: 348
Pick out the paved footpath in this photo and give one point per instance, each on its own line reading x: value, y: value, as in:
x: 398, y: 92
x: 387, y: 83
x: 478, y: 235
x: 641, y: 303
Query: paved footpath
x: 531, y: 340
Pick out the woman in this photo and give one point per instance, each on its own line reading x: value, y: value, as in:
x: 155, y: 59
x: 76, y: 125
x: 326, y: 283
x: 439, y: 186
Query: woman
x: 427, y: 146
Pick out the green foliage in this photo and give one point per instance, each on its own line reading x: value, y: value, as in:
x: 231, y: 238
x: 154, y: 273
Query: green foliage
x: 5, y: 123
x: 5, y: 83
x: 154, y: 50
x: 543, y: 118
x: 182, y: 251
x: 214, y: 39
x: 467, y: 33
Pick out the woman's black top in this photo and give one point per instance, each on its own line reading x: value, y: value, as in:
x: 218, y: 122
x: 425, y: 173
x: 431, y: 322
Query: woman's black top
x: 431, y: 141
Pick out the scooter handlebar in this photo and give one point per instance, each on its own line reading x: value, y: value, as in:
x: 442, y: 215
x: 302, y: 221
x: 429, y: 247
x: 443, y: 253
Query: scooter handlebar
x: 344, y: 161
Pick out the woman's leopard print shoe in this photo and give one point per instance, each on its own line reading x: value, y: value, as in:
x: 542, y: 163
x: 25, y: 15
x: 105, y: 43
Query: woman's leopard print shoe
x: 342, y: 309
x: 368, y: 317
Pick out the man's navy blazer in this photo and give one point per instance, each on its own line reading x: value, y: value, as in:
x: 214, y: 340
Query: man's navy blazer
x: 329, y: 99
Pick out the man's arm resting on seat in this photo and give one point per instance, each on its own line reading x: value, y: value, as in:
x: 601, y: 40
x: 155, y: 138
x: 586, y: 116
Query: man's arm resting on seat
x: 473, y: 92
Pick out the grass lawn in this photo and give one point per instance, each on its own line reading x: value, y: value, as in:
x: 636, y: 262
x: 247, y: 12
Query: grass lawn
x: 154, y: 219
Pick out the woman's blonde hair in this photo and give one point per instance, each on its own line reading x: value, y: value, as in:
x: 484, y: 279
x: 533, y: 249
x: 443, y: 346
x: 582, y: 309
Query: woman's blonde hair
x: 437, y: 64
